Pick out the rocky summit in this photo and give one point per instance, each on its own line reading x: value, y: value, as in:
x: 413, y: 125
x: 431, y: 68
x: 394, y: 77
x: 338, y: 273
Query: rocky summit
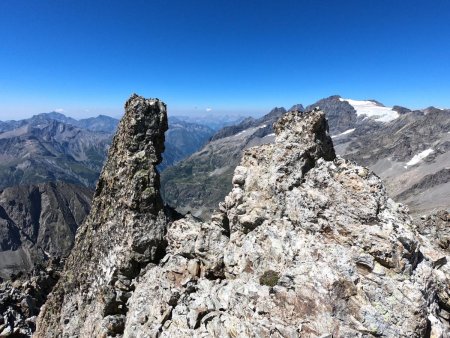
x: 306, y: 244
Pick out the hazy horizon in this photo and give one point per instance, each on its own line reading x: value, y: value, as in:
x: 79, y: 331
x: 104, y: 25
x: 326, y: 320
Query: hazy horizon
x: 194, y: 112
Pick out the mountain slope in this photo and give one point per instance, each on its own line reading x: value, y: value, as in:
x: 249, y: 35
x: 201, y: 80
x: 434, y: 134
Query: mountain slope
x: 411, y: 154
x: 202, y: 180
x: 39, y: 222
x: 183, y: 139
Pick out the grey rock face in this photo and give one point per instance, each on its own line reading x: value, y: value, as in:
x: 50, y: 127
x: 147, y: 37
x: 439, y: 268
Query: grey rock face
x: 22, y: 298
x: 123, y: 233
x: 305, y: 245
x: 38, y: 223
x: 341, y: 115
x: 436, y: 227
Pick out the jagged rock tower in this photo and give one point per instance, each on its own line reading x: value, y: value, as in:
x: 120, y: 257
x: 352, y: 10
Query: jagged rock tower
x: 123, y: 233
x: 307, y: 244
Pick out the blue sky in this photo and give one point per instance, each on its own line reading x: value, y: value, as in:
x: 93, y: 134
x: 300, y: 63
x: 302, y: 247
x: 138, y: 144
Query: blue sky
x: 241, y: 57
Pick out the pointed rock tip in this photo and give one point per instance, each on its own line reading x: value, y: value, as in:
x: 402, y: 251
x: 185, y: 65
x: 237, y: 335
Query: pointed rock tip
x: 136, y: 99
x: 312, y: 126
x: 141, y: 130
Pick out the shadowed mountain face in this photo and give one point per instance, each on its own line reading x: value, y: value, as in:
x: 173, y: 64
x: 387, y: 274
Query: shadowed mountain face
x: 39, y: 222
x: 408, y: 149
x: 183, y: 139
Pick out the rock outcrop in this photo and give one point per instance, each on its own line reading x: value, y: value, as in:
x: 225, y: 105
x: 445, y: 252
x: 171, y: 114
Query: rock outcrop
x: 123, y: 233
x: 22, y: 298
x: 306, y: 244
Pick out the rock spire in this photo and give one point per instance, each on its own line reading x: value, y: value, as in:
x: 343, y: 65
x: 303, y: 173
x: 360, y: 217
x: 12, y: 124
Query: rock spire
x: 123, y: 233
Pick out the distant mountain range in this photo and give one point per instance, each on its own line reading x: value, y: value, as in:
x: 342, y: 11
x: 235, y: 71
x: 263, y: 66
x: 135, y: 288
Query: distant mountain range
x: 54, y: 147
x: 101, y: 123
x: 408, y: 149
x: 43, y: 150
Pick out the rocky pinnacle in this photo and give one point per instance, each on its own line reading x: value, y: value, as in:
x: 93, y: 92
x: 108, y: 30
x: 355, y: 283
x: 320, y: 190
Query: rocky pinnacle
x: 123, y: 233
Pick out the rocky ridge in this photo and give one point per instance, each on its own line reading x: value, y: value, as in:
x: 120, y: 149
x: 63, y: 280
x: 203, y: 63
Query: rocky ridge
x: 306, y: 244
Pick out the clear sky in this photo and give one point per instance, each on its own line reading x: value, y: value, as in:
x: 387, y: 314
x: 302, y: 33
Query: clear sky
x: 238, y: 56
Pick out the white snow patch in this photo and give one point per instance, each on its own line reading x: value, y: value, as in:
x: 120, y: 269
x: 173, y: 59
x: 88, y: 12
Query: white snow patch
x: 372, y: 110
x: 344, y: 133
x: 250, y: 130
x: 419, y: 157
